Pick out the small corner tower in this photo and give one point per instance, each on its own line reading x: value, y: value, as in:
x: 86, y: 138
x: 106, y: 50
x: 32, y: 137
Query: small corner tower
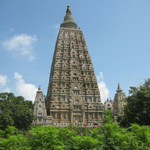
x: 108, y: 105
x: 40, y: 109
x: 119, y: 102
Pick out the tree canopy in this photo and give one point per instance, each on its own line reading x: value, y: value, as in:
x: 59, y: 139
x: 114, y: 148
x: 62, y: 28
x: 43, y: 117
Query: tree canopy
x: 15, y: 111
x: 137, y: 109
x: 108, y: 137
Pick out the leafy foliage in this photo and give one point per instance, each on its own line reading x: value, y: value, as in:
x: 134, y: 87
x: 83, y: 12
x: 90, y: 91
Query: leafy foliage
x: 15, y: 111
x: 108, y: 137
x: 108, y: 116
x: 138, y: 106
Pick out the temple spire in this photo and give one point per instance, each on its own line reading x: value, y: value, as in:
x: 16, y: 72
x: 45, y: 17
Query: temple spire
x: 68, y: 20
x: 119, y: 89
x: 68, y: 11
x: 39, y: 90
x: 107, y: 100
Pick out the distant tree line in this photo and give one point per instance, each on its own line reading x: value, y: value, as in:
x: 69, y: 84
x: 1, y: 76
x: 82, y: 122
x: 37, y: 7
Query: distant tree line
x: 15, y: 111
x: 137, y: 109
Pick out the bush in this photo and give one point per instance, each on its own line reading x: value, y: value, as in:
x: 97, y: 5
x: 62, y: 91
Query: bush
x: 109, y: 137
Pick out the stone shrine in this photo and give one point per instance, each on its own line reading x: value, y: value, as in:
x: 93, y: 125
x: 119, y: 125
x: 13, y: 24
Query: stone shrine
x: 119, y: 103
x: 73, y: 96
x: 40, y: 109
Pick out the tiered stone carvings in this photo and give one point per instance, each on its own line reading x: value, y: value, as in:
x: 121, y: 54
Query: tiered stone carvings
x: 73, y: 96
x: 119, y: 103
x: 40, y: 109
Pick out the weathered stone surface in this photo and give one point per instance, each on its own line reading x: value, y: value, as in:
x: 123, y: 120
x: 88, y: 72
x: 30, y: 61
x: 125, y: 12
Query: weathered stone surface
x: 73, y: 96
x: 108, y: 105
x: 40, y: 109
x: 119, y: 103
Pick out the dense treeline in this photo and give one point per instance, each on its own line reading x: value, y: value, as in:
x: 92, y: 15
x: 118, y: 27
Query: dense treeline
x: 109, y: 137
x: 15, y: 111
x: 137, y: 109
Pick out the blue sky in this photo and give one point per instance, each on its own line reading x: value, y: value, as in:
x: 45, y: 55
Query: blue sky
x: 117, y: 34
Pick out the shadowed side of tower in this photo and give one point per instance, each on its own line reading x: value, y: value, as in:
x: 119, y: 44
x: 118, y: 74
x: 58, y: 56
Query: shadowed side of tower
x: 73, y: 96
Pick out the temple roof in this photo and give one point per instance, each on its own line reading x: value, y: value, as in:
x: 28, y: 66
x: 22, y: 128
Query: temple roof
x: 68, y: 20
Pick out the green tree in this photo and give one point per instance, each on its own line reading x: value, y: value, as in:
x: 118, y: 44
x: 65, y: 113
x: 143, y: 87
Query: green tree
x: 15, y: 111
x: 108, y: 116
x: 137, y: 109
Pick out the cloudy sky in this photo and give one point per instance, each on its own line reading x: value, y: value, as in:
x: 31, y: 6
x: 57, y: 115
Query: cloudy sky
x: 117, y: 34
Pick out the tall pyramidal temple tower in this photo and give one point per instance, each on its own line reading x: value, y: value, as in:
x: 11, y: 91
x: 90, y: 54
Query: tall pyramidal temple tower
x: 73, y: 96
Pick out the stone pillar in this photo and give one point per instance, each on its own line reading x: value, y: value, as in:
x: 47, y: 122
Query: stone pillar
x: 71, y: 116
x: 83, y: 114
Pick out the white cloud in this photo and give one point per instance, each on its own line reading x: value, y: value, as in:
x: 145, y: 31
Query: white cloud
x: 27, y: 90
x: 100, y: 76
x: 21, y: 45
x: 3, y: 80
x: 57, y: 26
x: 7, y: 90
x: 104, y: 92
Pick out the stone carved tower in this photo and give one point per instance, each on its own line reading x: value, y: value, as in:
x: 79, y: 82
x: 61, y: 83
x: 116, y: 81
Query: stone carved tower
x: 40, y: 109
x: 119, y: 103
x: 73, y: 96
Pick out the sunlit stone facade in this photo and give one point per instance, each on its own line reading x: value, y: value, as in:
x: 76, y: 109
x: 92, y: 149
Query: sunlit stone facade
x: 40, y: 109
x: 73, y: 96
x: 119, y: 103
